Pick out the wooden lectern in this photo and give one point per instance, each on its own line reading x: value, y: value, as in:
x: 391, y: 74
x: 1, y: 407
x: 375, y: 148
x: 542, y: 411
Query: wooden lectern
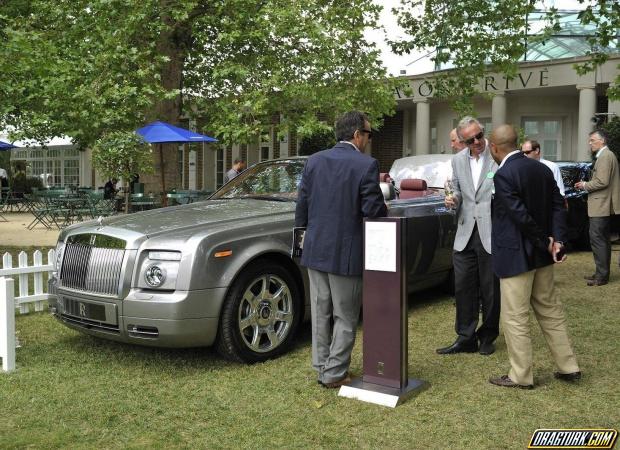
x: 385, y: 380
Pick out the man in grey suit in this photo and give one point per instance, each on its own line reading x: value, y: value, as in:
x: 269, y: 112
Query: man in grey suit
x: 603, y: 201
x: 339, y: 187
x: 473, y: 169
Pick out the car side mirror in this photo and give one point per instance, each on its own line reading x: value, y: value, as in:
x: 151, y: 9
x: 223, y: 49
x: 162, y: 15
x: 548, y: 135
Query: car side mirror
x: 388, y: 191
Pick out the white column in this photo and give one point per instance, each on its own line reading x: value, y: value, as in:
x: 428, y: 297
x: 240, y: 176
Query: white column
x: 498, y: 110
x: 406, y: 132
x: 587, y: 108
x: 422, y: 128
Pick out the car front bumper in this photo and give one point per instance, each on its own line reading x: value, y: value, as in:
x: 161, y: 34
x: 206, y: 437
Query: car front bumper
x: 159, y: 319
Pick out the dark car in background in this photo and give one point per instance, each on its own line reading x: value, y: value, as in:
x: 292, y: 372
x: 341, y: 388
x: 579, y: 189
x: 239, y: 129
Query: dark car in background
x: 577, y: 201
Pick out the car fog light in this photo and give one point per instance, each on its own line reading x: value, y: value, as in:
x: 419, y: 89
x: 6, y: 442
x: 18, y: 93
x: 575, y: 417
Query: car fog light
x: 155, y: 276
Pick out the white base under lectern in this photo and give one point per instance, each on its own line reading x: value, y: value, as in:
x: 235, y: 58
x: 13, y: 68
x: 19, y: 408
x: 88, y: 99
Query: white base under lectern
x: 381, y: 395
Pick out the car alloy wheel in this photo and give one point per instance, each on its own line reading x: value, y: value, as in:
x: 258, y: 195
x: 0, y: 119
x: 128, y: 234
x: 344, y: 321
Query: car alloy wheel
x: 265, y: 313
x: 261, y: 313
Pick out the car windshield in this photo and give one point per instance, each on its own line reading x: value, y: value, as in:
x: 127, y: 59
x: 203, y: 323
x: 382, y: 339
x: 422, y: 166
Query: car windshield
x: 273, y: 180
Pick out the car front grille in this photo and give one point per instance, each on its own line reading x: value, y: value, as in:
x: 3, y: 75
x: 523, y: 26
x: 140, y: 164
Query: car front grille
x: 89, y: 324
x: 91, y: 269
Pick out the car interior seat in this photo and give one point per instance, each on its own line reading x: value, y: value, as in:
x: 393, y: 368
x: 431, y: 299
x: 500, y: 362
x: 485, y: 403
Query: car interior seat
x: 412, y: 188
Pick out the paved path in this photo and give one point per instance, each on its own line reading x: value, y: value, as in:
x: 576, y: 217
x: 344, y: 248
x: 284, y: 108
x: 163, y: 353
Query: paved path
x: 15, y: 234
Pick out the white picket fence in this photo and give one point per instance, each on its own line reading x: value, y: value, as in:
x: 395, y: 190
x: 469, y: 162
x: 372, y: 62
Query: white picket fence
x: 8, y: 301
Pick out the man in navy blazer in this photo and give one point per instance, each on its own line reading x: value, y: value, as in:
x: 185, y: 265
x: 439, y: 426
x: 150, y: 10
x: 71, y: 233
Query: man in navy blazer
x: 529, y: 227
x: 339, y: 187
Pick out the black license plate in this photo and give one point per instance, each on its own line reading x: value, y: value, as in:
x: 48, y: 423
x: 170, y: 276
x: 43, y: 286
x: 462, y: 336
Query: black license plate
x: 84, y: 310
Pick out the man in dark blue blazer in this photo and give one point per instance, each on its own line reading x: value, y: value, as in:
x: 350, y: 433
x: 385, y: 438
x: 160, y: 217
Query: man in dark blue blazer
x: 529, y: 227
x: 339, y: 187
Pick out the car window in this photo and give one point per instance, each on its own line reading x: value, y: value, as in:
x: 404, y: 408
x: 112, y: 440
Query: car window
x: 276, y: 180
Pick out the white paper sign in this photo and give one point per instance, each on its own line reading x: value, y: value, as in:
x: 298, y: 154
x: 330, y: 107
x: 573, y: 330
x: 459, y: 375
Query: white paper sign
x: 380, y: 249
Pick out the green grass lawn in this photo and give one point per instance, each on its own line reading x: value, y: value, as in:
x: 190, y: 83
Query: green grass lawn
x: 75, y: 391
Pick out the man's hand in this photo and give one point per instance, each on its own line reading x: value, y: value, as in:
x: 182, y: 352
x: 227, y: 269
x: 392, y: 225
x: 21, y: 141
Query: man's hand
x: 450, y: 201
x: 579, y: 185
x: 559, y: 252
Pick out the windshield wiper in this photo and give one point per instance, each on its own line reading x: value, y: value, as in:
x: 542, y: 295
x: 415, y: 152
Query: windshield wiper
x: 268, y: 197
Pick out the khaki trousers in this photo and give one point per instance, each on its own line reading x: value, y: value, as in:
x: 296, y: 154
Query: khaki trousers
x: 535, y: 287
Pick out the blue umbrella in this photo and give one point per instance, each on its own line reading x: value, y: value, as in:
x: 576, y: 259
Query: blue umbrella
x: 160, y: 132
x: 6, y: 146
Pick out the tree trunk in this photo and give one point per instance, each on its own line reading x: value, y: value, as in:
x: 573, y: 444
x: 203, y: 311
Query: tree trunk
x: 172, y: 43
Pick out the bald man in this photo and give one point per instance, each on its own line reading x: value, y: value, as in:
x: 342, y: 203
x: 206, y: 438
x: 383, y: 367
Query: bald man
x: 529, y: 227
x: 455, y: 143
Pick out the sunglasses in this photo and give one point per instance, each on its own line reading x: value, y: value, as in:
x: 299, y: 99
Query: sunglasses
x: 367, y: 131
x: 527, y: 152
x: 472, y: 139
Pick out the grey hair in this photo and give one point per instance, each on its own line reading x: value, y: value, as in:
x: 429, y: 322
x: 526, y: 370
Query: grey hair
x: 602, y: 134
x: 465, y: 122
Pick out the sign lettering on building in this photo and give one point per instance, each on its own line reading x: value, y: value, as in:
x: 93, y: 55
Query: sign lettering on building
x: 525, y: 79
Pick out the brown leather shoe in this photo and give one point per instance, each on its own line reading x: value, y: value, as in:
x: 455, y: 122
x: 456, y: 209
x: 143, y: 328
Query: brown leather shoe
x: 573, y: 376
x: 596, y: 282
x: 337, y: 384
x: 505, y: 381
x: 589, y: 277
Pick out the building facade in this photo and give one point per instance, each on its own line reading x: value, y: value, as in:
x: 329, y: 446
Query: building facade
x: 547, y: 100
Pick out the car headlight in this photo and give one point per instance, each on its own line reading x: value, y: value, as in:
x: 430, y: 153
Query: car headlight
x: 155, y: 275
x: 159, y: 270
x: 60, y: 247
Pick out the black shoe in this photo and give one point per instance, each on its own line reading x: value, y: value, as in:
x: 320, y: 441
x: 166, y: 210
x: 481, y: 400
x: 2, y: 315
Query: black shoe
x: 573, y: 376
x: 458, y: 347
x: 589, y: 277
x: 487, y: 348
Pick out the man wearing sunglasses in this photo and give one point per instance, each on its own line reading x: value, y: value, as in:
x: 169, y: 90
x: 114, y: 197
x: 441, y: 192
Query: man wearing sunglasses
x: 339, y: 187
x: 531, y: 149
x: 474, y: 282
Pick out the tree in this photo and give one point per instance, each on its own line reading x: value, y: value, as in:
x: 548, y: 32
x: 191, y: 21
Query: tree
x: 481, y: 35
x: 83, y: 68
x: 120, y: 155
x: 613, y: 130
x: 320, y: 140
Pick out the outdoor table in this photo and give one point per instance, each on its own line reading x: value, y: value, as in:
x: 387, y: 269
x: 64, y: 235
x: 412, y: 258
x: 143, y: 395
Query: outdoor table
x: 140, y: 202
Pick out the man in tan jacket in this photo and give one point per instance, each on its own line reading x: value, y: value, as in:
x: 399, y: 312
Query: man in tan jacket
x: 603, y: 201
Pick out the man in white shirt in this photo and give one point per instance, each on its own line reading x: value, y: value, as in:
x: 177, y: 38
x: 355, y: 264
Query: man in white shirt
x: 531, y: 149
x: 475, y: 286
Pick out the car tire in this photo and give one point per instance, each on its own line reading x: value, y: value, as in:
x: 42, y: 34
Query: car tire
x: 254, y: 325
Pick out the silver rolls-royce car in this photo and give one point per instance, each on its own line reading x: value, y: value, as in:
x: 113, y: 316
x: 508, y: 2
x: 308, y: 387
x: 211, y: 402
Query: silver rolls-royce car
x: 216, y: 272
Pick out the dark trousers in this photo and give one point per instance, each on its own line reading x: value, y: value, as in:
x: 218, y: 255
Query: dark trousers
x: 475, y: 284
x: 601, y: 246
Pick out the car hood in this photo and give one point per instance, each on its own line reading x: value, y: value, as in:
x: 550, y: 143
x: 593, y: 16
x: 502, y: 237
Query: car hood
x: 184, y: 217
